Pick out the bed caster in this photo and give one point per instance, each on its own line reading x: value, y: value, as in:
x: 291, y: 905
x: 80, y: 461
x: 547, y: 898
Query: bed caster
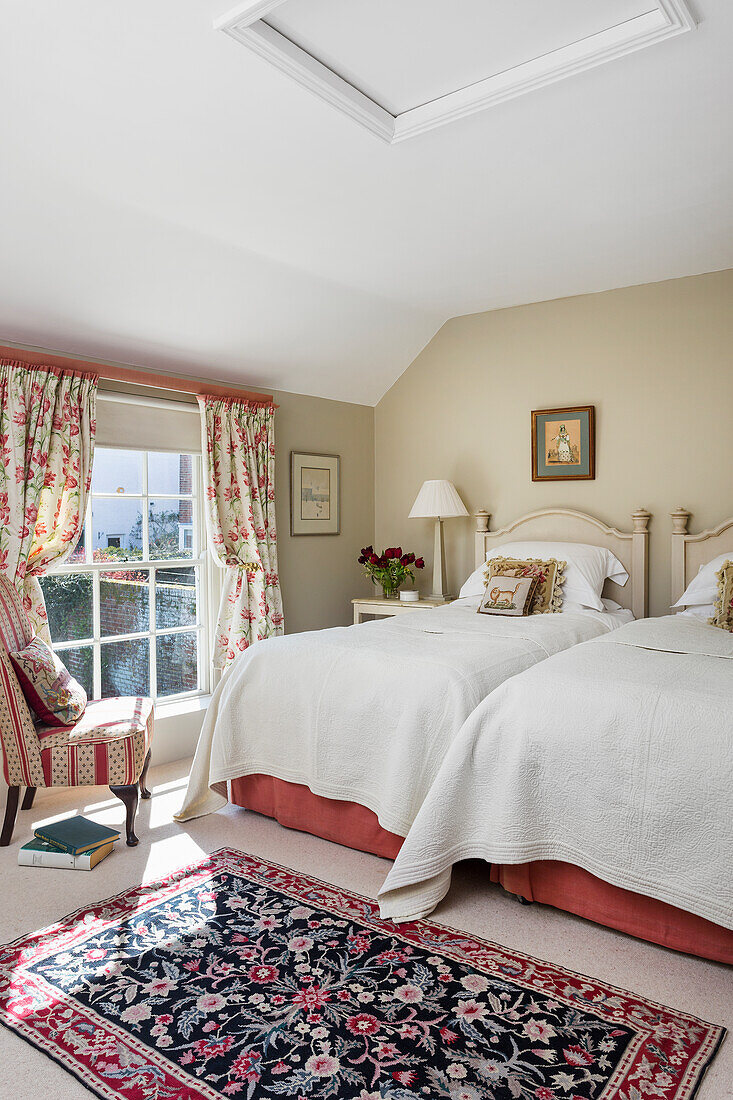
x: 523, y: 901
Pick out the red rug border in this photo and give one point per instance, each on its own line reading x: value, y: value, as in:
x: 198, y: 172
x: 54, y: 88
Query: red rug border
x: 415, y: 932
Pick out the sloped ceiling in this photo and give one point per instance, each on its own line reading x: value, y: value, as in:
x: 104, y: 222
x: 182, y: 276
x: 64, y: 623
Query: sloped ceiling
x: 171, y: 200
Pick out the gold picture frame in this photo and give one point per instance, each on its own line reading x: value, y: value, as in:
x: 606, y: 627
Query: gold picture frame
x: 564, y: 444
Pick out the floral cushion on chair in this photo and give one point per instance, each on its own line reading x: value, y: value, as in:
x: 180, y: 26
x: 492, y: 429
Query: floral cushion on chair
x: 51, y: 692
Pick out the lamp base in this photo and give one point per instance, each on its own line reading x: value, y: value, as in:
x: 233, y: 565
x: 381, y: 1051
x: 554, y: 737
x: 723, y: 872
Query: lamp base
x: 439, y: 597
x: 439, y: 585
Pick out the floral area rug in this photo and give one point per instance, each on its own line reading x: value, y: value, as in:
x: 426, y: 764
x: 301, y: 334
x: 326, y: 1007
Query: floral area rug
x: 239, y: 978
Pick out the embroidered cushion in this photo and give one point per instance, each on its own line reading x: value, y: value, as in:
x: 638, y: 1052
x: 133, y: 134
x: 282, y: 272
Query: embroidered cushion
x: 508, y: 594
x: 723, y: 613
x: 50, y: 690
x: 549, y: 574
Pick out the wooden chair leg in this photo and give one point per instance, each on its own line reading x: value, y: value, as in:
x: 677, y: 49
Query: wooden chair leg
x: 11, y: 809
x: 30, y: 794
x: 128, y: 795
x: 144, y: 792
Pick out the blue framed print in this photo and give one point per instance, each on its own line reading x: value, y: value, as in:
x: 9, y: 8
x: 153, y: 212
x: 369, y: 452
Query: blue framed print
x: 564, y: 444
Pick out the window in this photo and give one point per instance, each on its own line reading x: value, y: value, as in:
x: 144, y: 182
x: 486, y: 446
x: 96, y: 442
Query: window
x: 127, y: 612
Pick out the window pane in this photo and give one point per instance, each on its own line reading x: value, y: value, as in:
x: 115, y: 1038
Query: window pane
x: 117, y: 471
x: 126, y: 668
x: 175, y: 597
x: 68, y: 599
x: 79, y: 552
x: 124, y: 602
x: 177, y: 663
x: 169, y: 524
x: 117, y: 530
x: 169, y: 474
x: 80, y: 663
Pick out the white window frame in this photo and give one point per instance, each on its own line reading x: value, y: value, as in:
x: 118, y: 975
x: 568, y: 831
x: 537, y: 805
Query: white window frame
x: 200, y: 558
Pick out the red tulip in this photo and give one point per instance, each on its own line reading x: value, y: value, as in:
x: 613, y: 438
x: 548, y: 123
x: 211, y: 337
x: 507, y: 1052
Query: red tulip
x: 419, y: 563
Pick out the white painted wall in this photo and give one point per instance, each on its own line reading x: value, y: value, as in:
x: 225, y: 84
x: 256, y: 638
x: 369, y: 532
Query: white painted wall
x: 177, y: 727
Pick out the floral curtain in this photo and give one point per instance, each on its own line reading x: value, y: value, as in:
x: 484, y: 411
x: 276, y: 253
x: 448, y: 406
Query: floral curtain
x: 47, y: 426
x: 238, y: 445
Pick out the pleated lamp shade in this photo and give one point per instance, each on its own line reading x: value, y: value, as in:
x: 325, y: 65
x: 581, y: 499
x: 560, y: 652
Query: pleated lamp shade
x: 437, y: 499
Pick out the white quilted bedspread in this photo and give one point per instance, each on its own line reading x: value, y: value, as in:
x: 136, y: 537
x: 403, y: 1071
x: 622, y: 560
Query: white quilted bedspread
x: 616, y: 756
x: 366, y: 713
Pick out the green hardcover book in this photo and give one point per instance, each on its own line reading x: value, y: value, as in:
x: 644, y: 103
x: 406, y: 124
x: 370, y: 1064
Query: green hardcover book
x: 76, y: 835
x: 39, y: 854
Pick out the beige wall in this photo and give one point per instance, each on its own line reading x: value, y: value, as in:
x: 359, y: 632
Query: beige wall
x: 655, y: 360
x: 319, y: 573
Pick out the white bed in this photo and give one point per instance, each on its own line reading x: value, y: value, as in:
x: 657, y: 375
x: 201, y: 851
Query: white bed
x: 365, y: 714
x: 614, y: 757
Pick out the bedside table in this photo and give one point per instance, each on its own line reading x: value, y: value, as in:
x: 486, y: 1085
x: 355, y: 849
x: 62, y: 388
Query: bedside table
x: 377, y: 605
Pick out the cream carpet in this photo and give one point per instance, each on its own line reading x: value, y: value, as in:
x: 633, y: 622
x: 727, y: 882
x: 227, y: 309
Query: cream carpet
x: 33, y: 898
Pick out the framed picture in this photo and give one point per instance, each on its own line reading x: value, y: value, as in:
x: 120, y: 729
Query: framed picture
x: 315, y: 505
x: 564, y: 444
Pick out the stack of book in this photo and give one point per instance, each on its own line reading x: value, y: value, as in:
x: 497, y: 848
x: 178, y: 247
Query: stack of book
x: 75, y: 844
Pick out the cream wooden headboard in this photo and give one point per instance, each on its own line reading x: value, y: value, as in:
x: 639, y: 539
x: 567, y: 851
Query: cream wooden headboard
x: 689, y: 552
x: 565, y: 525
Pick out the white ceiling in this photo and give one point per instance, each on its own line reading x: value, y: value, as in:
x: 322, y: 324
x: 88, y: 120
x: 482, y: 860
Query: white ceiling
x: 405, y: 54
x: 169, y: 199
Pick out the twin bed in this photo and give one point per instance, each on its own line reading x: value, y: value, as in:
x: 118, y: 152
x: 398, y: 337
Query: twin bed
x: 570, y: 751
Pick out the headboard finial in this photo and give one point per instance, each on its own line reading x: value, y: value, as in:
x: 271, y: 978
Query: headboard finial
x: 680, y: 519
x: 482, y: 521
x: 641, y: 519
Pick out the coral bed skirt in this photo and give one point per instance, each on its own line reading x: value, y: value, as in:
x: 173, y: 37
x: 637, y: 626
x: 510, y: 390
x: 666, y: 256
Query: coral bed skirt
x: 550, y: 882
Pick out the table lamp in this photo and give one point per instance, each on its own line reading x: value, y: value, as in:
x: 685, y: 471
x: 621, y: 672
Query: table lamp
x: 438, y: 500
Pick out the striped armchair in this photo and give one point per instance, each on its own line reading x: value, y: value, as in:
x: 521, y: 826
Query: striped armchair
x: 109, y: 745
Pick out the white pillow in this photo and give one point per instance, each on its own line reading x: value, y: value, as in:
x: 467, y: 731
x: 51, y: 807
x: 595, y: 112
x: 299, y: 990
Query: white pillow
x: 475, y: 584
x: 702, y: 611
x: 588, y: 567
x: 703, y: 589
